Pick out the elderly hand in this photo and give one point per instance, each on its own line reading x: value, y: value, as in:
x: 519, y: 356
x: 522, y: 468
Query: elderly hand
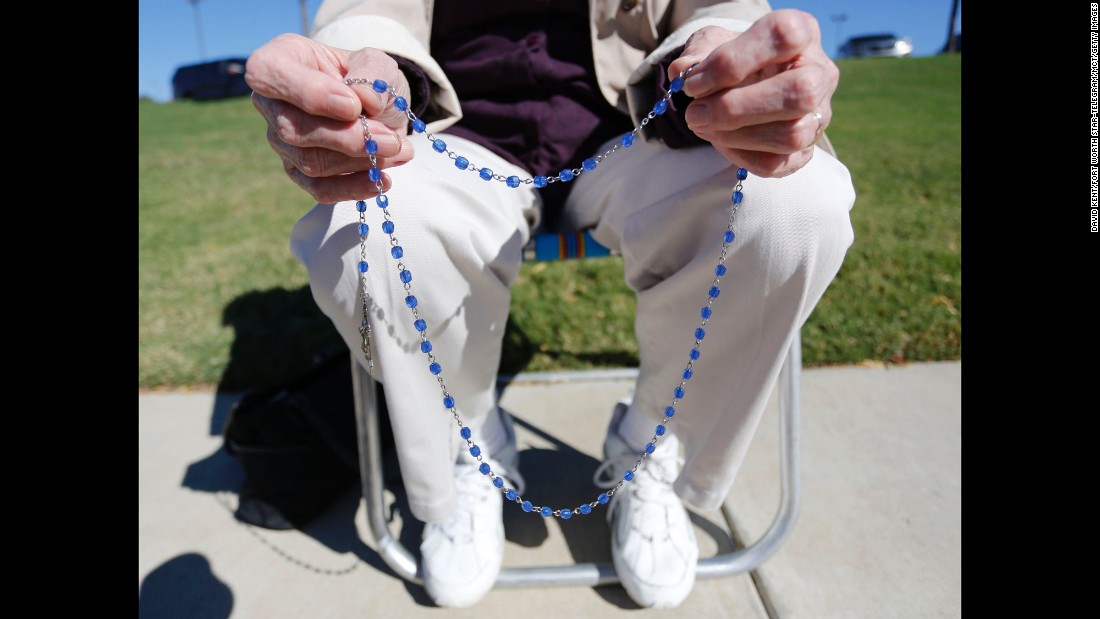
x: 313, y: 116
x: 756, y: 93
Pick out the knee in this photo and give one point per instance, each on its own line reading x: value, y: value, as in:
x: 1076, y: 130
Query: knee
x: 813, y: 229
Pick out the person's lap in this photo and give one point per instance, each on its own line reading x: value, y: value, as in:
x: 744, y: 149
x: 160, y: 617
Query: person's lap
x: 664, y: 210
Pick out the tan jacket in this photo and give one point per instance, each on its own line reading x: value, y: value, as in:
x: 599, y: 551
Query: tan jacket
x: 628, y: 38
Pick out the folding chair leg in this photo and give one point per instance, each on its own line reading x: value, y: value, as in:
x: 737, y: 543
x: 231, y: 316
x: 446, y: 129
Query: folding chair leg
x: 590, y: 574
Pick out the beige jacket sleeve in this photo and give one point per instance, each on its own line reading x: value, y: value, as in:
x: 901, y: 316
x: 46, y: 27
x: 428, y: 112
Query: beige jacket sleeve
x: 683, y: 19
x: 629, y: 37
x: 400, y: 27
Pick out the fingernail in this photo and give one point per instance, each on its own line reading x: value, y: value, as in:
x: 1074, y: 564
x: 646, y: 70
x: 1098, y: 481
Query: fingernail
x: 698, y: 82
x: 342, y: 107
x: 697, y: 115
x: 388, y: 144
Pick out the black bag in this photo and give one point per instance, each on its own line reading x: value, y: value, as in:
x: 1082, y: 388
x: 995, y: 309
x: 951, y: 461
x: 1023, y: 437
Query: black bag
x: 297, y: 444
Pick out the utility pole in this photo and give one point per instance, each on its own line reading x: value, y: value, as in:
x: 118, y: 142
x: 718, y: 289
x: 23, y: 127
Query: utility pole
x: 840, y: 19
x: 198, y: 29
x: 305, y: 17
x: 951, y: 46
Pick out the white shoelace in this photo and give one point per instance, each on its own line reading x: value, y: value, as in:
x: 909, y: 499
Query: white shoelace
x: 472, y: 493
x: 652, y: 482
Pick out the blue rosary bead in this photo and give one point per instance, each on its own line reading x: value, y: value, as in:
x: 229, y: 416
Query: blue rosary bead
x: 526, y: 506
x: 411, y: 301
x: 688, y: 374
x: 511, y: 495
x: 700, y: 333
x: 627, y: 140
x: 660, y: 431
x: 462, y: 163
x: 714, y: 292
x: 728, y: 236
x: 420, y: 324
x: 705, y: 313
x: 678, y: 392
x: 364, y: 228
x: 426, y: 347
x: 585, y: 509
x: 387, y: 227
x: 371, y: 147
x: 650, y: 448
x: 660, y: 107
x: 397, y: 252
x: 566, y: 514
x: 435, y: 369
x: 484, y: 468
x: 419, y: 126
x: 400, y: 103
x: 546, y: 512
x: 737, y: 197
x: 465, y: 433
x: 720, y: 270
x: 380, y: 86
x: 513, y: 181
x: 669, y: 411
x: 475, y: 451
x: 439, y: 146
x: 628, y: 476
x: 448, y: 402
x: 541, y: 181
x: 589, y: 164
x: 374, y: 174
x: 498, y: 482
x: 361, y: 206
x: 676, y: 85
x: 603, y: 498
x: 694, y: 354
x: 382, y: 201
x: 406, y: 277
x: 363, y: 266
x: 566, y: 175
x: 742, y: 174
x: 486, y: 174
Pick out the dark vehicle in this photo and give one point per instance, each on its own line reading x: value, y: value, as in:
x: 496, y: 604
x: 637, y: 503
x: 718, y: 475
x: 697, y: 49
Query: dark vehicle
x: 218, y: 79
x: 884, y: 45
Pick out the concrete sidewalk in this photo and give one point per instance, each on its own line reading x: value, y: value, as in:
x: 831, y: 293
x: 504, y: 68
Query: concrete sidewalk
x: 879, y: 533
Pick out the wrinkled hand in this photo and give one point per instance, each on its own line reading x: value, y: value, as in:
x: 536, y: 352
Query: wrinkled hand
x: 756, y: 92
x: 313, y: 117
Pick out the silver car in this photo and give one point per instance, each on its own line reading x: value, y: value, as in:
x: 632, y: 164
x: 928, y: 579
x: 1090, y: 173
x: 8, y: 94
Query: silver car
x: 887, y: 45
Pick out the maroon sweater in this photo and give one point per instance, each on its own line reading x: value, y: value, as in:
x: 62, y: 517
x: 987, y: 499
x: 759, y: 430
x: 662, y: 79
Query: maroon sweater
x: 523, y: 72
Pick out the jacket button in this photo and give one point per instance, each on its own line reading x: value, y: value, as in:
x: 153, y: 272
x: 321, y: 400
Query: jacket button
x: 628, y: 5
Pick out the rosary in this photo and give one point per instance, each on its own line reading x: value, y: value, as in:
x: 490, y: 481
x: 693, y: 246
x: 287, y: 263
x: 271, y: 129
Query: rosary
x: 566, y: 175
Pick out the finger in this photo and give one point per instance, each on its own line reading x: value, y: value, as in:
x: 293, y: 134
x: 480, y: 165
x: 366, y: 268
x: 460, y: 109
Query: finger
x: 321, y: 162
x: 306, y: 75
x: 776, y: 38
x: 297, y: 128
x: 366, y: 66
x: 767, y: 165
x: 787, y: 96
x: 781, y: 138
x: 699, y: 44
x: 332, y: 189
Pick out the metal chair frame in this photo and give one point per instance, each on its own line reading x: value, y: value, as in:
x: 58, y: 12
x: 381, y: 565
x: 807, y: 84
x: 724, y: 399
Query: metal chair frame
x: 405, y: 564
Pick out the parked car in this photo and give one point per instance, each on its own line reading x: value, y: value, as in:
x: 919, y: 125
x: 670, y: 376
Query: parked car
x: 886, y: 44
x: 217, y: 79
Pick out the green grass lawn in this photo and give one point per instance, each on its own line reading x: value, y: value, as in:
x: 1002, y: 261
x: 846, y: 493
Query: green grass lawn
x: 222, y: 302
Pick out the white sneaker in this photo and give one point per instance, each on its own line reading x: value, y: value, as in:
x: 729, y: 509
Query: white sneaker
x: 461, y: 557
x: 653, y: 542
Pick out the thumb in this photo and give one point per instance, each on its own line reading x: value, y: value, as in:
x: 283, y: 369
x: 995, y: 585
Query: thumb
x: 697, y: 50
x: 374, y: 77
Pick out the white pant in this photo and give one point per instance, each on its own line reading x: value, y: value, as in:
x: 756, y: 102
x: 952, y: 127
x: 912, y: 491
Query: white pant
x: 666, y: 211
